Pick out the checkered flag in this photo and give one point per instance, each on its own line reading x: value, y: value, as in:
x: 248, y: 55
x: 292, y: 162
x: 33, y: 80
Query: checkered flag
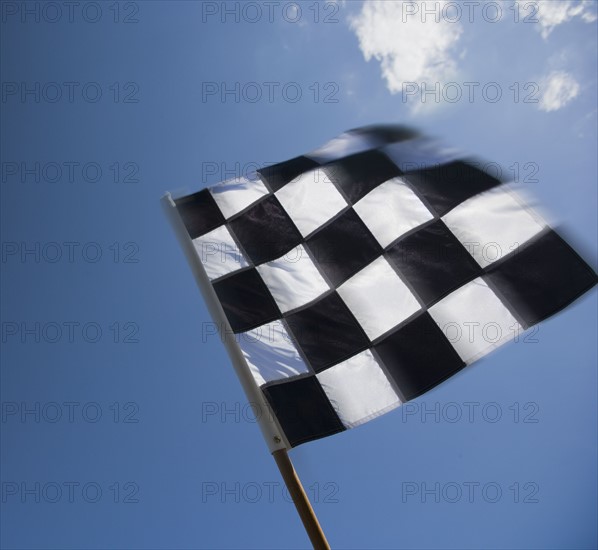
x: 363, y: 274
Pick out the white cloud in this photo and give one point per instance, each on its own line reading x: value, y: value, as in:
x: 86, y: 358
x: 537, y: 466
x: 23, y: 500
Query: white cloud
x: 552, y: 13
x: 556, y: 90
x: 410, y: 47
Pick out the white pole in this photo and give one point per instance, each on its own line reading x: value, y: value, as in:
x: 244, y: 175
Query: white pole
x: 273, y: 434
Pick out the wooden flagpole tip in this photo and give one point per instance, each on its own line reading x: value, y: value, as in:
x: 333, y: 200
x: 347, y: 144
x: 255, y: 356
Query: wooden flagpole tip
x: 300, y: 499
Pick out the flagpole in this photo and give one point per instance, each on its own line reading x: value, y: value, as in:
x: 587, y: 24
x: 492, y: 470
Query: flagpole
x: 301, y: 501
x: 273, y: 434
x: 271, y: 430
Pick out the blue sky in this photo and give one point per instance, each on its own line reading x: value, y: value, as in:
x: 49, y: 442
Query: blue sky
x: 101, y: 315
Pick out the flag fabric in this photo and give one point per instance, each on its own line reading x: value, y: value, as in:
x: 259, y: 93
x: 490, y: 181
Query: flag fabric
x: 361, y: 275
